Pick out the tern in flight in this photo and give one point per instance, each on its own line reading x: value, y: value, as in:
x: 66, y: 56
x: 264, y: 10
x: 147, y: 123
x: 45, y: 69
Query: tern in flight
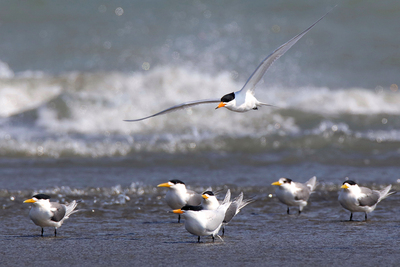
x: 244, y: 99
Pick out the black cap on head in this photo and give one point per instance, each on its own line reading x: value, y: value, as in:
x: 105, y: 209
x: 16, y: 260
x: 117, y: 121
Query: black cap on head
x: 176, y: 181
x: 41, y: 196
x: 228, y: 97
x: 194, y: 208
x: 287, y: 180
x: 208, y: 193
x: 350, y: 182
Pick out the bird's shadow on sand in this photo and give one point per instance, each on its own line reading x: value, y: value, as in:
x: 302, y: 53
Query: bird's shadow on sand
x: 104, y: 236
x: 350, y: 222
x: 163, y: 222
x: 195, y: 242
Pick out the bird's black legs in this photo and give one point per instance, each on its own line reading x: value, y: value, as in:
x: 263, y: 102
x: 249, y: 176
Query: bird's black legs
x: 365, y: 216
x: 179, y: 218
x: 287, y: 210
x: 42, y: 232
x: 223, y: 231
x: 213, y: 238
x: 351, y: 217
x: 198, y: 239
x: 299, y: 211
x: 55, y: 231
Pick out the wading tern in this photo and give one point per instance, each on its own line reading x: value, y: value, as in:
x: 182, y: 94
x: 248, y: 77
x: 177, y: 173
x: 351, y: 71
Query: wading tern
x: 201, y: 222
x: 49, y: 214
x: 294, y: 194
x: 361, y: 199
x: 211, y: 202
x: 178, y: 195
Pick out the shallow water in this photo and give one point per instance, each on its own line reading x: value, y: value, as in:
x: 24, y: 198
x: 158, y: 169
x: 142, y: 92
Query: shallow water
x: 124, y: 220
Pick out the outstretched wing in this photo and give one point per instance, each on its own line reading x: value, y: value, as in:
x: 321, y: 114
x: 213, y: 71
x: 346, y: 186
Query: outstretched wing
x: 267, y: 62
x: 180, y: 106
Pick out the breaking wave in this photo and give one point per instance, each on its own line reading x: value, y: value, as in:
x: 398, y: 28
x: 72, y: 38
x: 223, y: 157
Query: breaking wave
x: 81, y: 114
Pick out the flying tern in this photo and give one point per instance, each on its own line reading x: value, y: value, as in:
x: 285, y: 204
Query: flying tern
x: 243, y: 100
x: 294, y: 194
x: 178, y: 196
x: 361, y: 199
x: 49, y: 214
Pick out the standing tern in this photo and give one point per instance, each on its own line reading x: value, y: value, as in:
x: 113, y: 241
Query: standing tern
x: 244, y: 99
x: 178, y: 196
x: 49, y: 214
x: 202, y: 222
x: 210, y: 202
x: 293, y: 193
x: 361, y: 199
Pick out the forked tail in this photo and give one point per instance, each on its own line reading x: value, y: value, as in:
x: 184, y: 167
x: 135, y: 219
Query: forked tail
x: 259, y: 104
x: 312, y: 183
x: 70, y: 209
x: 385, y: 192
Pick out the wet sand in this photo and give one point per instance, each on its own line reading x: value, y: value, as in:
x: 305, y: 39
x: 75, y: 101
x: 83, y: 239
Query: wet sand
x: 262, y: 234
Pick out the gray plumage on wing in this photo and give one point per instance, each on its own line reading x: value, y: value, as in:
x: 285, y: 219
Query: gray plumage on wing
x: 194, y: 198
x: 237, y: 204
x: 361, y: 199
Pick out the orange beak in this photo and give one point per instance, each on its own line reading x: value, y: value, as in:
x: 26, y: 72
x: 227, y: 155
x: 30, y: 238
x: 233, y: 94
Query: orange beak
x: 178, y: 211
x: 222, y: 104
x: 164, y: 185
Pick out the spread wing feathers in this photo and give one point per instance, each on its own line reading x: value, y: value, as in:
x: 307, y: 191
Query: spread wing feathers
x: 227, y: 197
x: 58, y: 211
x: 70, y: 209
x: 312, y: 183
x: 369, y: 198
x: 180, y: 106
x: 267, y: 62
x: 303, y: 193
x: 194, y: 199
x: 237, y: 204
x: 385, y: 192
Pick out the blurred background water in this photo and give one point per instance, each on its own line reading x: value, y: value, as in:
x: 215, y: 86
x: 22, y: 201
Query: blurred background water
x: 71, y: 73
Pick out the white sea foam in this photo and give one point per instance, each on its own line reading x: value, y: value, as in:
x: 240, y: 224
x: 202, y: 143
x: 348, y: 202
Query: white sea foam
x: 97, y: 103
x: 19, y: 94
x: 338, y: 101
x: 81, y: 114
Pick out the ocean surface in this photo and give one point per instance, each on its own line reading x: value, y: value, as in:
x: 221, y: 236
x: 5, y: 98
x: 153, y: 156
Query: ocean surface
x: 70, y: 73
